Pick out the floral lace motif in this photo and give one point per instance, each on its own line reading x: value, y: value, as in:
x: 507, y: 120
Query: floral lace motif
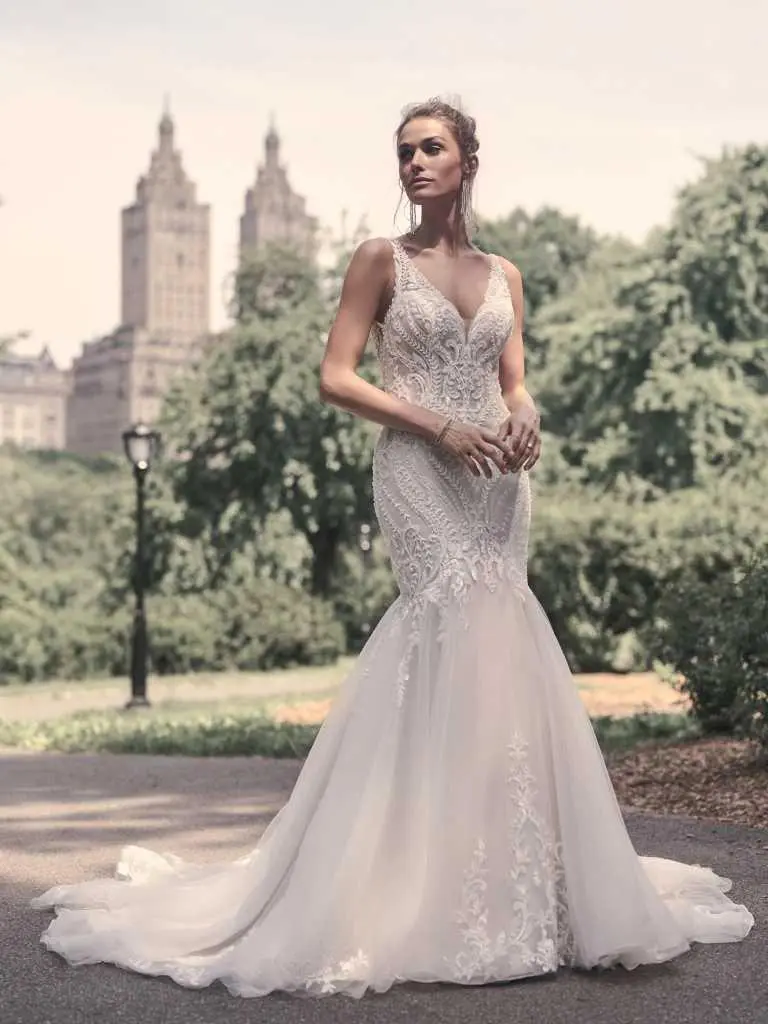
x: 333, y: 979
x: 537, y: 938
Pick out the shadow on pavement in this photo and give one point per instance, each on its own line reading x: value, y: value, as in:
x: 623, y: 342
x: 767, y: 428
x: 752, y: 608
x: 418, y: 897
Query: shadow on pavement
x: 59, y: 803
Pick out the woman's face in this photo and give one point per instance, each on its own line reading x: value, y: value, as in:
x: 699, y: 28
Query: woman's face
x: 430, y: 160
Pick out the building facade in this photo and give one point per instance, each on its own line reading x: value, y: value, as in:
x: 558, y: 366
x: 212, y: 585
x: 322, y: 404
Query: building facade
x: 274, y: 213
x: 122, y: 378
x: 166, y: 250
x: 165, y: 307
x: 33, y: 401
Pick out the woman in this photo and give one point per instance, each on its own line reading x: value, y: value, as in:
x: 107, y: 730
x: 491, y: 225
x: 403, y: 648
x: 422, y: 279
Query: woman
x: 454, y: 820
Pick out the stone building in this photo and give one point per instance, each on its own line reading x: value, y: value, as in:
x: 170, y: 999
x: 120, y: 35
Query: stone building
x: 165, y: 307
x: 274, y: 213
x: 33, y: 400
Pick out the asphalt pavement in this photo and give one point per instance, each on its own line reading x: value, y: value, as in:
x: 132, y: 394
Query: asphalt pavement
x: 65, y: 817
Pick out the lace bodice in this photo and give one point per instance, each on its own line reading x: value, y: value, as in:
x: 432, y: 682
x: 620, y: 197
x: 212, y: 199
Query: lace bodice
x: 446, y: 528
x: 430, y: 356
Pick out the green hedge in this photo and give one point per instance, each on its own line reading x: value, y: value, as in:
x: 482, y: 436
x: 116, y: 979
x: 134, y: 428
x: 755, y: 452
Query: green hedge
x: 601, y: 562
x: 261, y: 625
x: 713, y: 632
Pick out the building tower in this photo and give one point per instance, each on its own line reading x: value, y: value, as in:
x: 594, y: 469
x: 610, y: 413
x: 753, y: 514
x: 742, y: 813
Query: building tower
x: 165, y: 297
x: 166, y: 249
x: 274, y: 213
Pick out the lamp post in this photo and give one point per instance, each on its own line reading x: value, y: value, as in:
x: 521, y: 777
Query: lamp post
x: 141, y: 444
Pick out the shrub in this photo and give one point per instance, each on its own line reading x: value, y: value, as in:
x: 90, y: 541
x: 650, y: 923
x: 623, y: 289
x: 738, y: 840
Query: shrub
x: 65, y: 643
x: 361, y: 594
x: 589, y: 570
x: 183, y: 634
x: 602, y: 561
x: 255, y: 626
x: 714, y: 633
x: 264, y: 625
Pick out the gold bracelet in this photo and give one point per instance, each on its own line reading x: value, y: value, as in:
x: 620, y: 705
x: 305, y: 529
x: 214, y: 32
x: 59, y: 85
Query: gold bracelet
x: 443, y: 430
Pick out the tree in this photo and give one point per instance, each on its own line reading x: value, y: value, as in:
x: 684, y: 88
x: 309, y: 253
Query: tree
x: 718, y: 244
x: 549, y: 248
x: 252, y: 433
x: 656, y: 371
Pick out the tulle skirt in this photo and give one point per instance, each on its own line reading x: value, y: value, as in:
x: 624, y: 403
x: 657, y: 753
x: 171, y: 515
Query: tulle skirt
x: 454, y: 821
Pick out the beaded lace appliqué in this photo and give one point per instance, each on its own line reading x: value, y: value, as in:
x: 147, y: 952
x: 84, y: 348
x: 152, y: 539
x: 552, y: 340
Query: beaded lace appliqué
x: 447, y: 529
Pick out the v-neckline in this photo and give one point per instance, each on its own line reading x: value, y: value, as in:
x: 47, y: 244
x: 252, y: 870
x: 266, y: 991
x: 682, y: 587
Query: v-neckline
x: 467, y: 324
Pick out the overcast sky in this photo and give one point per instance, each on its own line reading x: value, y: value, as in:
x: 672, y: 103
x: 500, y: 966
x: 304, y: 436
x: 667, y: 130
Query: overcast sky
x: 599, y: 108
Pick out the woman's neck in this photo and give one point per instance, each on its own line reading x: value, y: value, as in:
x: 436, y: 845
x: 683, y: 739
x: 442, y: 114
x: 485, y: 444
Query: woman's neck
x: 441, y: 231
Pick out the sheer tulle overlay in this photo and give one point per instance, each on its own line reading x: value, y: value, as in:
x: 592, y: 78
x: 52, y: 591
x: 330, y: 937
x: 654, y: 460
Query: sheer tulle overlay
x: 454, y: 820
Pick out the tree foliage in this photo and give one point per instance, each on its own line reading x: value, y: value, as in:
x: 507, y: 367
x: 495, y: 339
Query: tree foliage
x: 254, y: 436
x: 549, y: 248
x: 658, y: 372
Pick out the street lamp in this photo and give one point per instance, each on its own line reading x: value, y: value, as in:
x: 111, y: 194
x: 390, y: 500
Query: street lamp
x: 141, y: 445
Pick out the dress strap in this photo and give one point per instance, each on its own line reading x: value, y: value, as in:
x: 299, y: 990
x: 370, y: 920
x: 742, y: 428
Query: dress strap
x: 401, y: 261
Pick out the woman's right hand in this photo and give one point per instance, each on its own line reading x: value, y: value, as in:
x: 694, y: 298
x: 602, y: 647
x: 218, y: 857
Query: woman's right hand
x: 477, y: 448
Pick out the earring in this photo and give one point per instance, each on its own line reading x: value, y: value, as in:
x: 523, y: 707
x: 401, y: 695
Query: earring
x: 414, y: 220
x: 465, y: 207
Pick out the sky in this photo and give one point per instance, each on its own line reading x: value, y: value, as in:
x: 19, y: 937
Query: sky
x: 599, y: 108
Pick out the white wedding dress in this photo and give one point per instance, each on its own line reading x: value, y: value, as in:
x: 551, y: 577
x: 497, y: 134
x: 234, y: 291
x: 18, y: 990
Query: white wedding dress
x: 454, y: 820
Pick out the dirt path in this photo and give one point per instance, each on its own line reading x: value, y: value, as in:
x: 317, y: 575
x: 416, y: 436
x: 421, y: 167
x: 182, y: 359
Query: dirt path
x: 603, y: 694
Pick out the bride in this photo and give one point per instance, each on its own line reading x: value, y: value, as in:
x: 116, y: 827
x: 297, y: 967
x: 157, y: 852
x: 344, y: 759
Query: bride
x: 454, y: 820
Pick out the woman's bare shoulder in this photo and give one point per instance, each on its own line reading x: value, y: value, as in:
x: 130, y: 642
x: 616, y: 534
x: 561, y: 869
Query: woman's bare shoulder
x: 370, y: 269
x: 513, y: 274
x: 374, y: 252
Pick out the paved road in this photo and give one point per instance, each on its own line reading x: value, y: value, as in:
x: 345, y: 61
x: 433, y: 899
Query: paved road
x: 64, y: 817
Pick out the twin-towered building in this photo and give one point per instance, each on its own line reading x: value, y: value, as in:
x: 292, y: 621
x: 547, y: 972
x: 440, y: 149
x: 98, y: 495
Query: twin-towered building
x: 274, y: 213
x: 165, y: 307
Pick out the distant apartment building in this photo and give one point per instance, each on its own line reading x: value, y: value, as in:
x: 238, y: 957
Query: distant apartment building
x: 273, y: 212
x: 33, y: 400
x: 165, y: 307
x: 165, y: 292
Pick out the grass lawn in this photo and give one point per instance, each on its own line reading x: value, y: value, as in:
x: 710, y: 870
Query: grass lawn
x: 43, y: 701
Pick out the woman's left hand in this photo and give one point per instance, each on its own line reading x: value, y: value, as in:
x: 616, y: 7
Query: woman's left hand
x: 521, y: 430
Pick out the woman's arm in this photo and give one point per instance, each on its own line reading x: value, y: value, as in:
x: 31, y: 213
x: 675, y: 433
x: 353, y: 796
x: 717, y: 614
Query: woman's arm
x: 366, y: 292
x: 512, y: 360
x: 522, y: 427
